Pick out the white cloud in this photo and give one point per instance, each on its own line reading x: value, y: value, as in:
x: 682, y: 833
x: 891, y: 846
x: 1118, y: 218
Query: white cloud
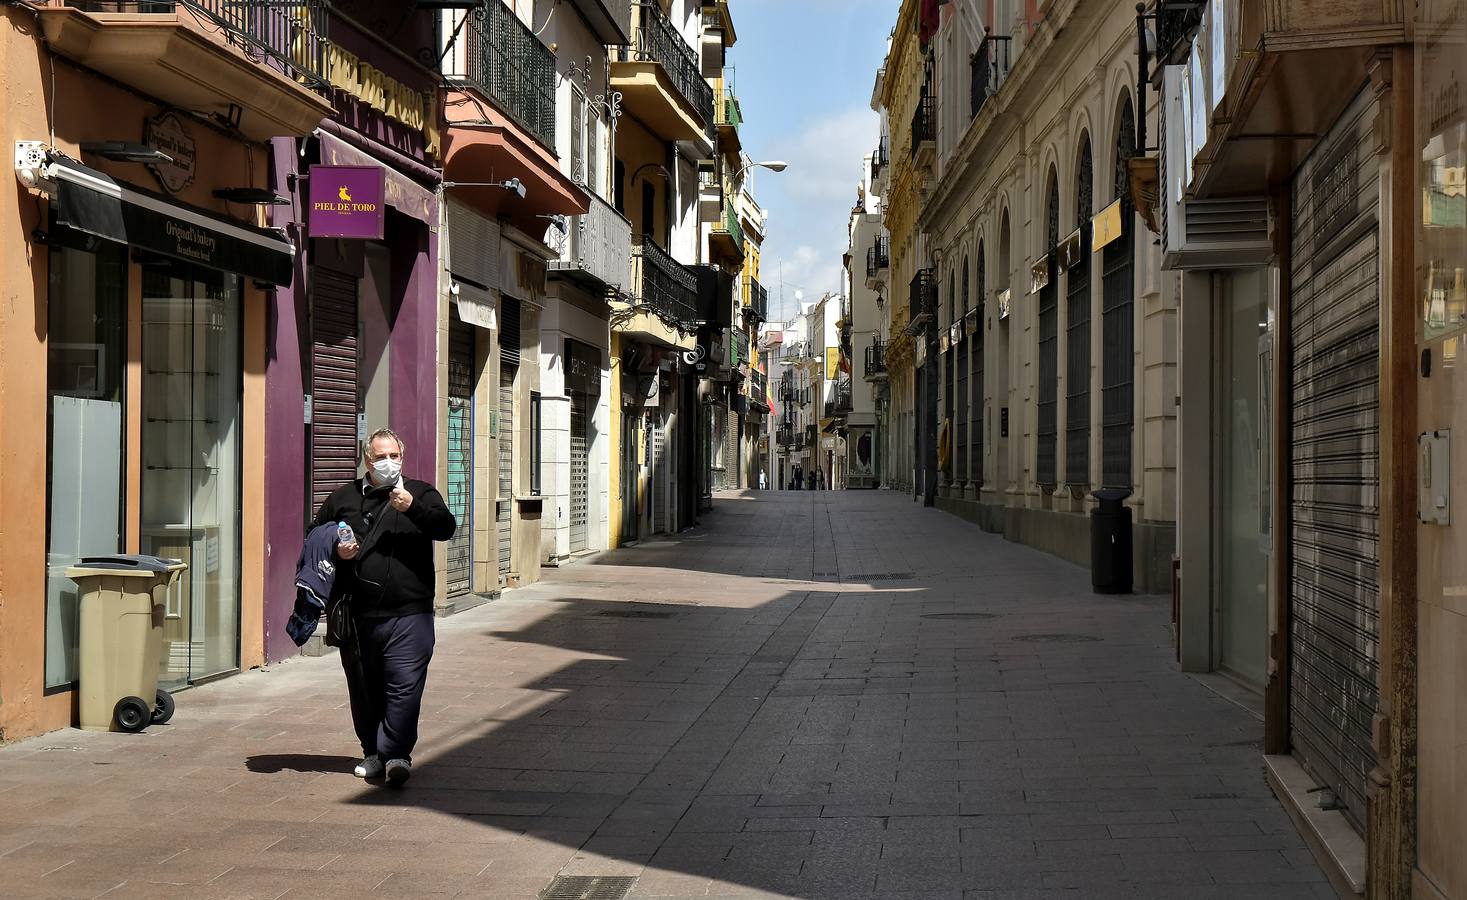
x: 810, y: 204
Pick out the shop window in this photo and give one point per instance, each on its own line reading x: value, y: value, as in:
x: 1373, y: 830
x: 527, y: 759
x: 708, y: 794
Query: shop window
x: 190, y: 466
x: 86, y: 466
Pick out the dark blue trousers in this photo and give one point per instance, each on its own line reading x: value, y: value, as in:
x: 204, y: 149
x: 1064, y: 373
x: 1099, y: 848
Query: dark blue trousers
x: 385, y: 681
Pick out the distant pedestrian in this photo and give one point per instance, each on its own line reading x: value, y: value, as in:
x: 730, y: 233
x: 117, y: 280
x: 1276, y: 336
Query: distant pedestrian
x: 763, y: 481
x: 388, y: 587
x: 798, y: 479
x: 819, y: 479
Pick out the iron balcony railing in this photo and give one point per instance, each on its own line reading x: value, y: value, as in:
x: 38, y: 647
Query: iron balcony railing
x: 880, y: 158
x: 921, y: 298
x: 875, y: 359
x: 784, y: 436
x: 599, y: 244
x: 788, y: 393
x: 654, y: 39
x: 495, y: 53
x: 290, y: 37
x: 990, y: 66
x: 878, y: 256
x: 840, y: 402
x: 758, y: 300
x: 664, y: 286
x: 1176, y: 25
x: 923, y: 122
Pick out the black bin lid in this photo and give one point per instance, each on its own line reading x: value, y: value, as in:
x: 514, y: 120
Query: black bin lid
x: 1111, y: 499
x: 130, y: 562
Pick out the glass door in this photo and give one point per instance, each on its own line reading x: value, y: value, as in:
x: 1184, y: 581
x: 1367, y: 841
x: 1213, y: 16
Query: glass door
x: 1242, y: 533
x: 190, y: 449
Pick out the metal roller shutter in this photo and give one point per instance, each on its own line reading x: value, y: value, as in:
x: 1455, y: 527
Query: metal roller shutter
x: 509, y: 331
x: 730, y: 450
x: 504, y: 510
x: 580, y: 472
x: 460, y: 488
x: 334, y: 406
x: 1334, y: 618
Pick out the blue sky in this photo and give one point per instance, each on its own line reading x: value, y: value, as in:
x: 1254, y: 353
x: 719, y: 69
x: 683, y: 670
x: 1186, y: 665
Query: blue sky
x: 804, y: 70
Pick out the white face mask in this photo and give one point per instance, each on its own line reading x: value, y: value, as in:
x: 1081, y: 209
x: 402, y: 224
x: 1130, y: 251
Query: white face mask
x: 387, y: 470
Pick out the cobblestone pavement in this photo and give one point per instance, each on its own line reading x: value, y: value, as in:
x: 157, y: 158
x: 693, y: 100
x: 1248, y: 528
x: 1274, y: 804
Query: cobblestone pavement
x: 833, y: 694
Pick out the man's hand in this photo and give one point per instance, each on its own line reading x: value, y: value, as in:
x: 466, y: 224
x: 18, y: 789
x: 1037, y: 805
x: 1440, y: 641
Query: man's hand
x: 401, y: 499
x: 347, y: 549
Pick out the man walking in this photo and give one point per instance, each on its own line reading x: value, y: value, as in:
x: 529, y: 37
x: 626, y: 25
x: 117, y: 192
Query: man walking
x: 388, y: 588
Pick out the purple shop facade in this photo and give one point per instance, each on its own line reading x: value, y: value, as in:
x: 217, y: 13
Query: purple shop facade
x: 362, y: 188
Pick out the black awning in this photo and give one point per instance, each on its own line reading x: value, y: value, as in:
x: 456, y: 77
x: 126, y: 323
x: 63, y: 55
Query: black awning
x: 89, y: 201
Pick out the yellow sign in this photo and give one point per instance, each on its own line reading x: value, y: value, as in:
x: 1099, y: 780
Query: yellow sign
x: 1106, y: 225
x: 832, y: 363
x: 369, y: 84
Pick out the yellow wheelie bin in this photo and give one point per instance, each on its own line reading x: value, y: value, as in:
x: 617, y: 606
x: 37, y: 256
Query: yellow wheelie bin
x: 123, y: 603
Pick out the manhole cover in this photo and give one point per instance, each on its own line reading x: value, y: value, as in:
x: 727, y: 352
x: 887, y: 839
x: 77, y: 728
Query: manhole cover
x: 635, y: 614
x: 890, y: 576
x: 588, y: 887
x: 1056, y: 638
x: 960, y: 616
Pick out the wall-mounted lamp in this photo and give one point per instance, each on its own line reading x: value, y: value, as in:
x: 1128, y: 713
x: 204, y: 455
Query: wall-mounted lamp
x: 126, y: 151
x: 514, y: 185
x: 257, y: 196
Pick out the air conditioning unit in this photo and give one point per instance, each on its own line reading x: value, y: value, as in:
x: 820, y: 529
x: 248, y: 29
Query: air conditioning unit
x: 1217, y: 233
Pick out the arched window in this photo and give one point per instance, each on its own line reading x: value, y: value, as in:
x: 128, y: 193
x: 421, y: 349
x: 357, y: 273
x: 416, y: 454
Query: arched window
x: 1048, y: 425
x: 1077, y: 332
x: 1117, y: 321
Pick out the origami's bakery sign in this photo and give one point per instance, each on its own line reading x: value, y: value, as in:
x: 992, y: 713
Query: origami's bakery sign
x: 348, y: 202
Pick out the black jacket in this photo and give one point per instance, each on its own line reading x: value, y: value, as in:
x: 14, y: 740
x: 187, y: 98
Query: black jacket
x: 393, y: 570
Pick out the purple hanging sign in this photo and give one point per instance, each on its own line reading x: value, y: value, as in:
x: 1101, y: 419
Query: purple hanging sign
x: 348, y: 201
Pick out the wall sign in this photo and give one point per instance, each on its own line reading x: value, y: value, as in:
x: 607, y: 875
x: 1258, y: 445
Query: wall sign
x: 170, y: 134
x: 1105, y: 226
x: 1039, y: 275
x: 1003, y: 303
x: 348, y: 202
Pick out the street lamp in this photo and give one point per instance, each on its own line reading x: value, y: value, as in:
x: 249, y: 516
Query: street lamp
x: 773, y: 165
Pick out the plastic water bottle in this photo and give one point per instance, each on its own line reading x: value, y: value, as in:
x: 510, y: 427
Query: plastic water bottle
x: 344, y: 534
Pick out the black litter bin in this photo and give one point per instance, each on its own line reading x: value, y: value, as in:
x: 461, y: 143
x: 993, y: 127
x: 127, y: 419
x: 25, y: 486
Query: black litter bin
x: 1110, y: 542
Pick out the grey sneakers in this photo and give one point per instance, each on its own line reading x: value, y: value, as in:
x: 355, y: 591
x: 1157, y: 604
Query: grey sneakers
x: 371, y: 767
x: 398, y: 771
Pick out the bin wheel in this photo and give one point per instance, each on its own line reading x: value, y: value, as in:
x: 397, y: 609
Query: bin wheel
x: 132, y: 714
x: 163, y: 709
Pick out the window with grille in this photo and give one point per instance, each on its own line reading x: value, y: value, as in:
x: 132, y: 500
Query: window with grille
x: 1077, y: 331
x: 1048, y: 430
x: 1117, y: 312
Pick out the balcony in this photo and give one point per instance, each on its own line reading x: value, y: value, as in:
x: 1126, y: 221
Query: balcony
x: 876, y: 361
x: 659, y: 78
x: 739, y: 349
x: 610, y: 19
x: 759, y: 391
x: 878, y: 260
x: 726, y: 240
x: 598, y: 249
x: 262, y: 60
x: 840, y: 403
x: 758, y: 306
x: 664, y: 287
x: 496, y: 54
x: 788, y: 393
x: 880, y: 158
x: 924, y: 129
x: 728, y: 116
x: 989, y: 67
x: 922, y: 301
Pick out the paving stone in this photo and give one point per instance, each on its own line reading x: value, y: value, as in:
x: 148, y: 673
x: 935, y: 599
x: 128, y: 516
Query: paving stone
x: 782, y: 735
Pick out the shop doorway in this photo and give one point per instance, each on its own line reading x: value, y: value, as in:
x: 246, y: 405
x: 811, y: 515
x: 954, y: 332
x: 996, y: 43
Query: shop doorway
x: 460, y: 486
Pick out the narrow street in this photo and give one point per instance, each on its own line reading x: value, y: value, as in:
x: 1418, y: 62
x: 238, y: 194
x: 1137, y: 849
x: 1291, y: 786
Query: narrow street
x: 835, y: 694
